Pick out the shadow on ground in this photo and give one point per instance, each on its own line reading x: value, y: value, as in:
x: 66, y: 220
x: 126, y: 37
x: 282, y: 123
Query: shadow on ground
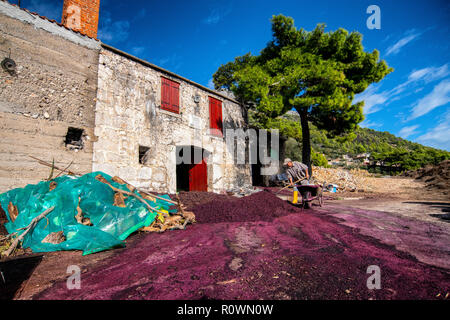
x: 444, y: 206
x: 14, y: 272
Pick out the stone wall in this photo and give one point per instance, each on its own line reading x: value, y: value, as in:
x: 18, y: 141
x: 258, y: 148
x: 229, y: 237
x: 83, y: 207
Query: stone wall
x: 54, y: 88
x: 128, y: 115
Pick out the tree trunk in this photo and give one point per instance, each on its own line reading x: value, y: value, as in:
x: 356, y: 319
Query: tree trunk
x: 306, y: 138
x: 282, y: 152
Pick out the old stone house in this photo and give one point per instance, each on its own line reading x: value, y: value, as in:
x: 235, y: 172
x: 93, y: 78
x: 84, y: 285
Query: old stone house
x: 67, y: 97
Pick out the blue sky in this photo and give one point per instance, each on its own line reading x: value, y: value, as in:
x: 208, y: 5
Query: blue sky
x: 193, y: 38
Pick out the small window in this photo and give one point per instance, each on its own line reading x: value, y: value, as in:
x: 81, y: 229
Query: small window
x: 74, y: 138
x: 143, y: 154
x: 215, y: 117
x: 170, y: 95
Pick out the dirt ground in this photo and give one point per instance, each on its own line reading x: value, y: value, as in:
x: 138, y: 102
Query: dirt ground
x: 401, y: 196
x: 427, y: 210
x: 32, y: 273
x: 312, y: 254
x: 396, y: 188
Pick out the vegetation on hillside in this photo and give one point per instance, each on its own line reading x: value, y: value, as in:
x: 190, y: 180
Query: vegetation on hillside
x: 391, y: 153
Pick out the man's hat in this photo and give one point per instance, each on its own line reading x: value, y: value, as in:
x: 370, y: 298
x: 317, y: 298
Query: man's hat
x: 286, y: 161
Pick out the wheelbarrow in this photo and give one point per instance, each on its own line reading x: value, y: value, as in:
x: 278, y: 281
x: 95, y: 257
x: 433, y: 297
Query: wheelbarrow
x: 309, y: 194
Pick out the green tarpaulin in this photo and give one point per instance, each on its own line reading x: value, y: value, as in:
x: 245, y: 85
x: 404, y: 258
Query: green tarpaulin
x: 111, y: 225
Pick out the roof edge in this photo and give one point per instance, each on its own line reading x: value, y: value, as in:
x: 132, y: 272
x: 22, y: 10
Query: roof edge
x: 170, y: 73
x: 51, y: 26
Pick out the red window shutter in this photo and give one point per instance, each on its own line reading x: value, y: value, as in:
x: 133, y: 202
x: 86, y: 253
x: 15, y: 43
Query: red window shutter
x: 219, y: 116
x: 211, y: 113
x: 165, y: 94
x: 215, y: 116
x: 170, y: 95
x: 175, y: 102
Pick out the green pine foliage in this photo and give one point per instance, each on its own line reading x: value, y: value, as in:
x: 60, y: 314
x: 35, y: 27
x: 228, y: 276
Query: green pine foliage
x: 317, y: 73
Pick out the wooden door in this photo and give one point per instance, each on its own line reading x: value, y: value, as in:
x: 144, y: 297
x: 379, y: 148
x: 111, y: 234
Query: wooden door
x: 198, y: 177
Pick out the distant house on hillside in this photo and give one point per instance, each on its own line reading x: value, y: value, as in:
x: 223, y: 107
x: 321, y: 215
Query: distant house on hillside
x: 364, y: 158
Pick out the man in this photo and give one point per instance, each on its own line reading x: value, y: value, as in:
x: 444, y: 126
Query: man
x: 296, y: 171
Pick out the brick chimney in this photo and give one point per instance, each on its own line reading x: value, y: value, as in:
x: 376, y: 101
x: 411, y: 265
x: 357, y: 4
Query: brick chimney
x: 82, y: 16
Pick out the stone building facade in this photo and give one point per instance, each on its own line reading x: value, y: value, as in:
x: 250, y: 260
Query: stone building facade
x: 53, y: 88
x: 74, y: 100
x: 129, y: 116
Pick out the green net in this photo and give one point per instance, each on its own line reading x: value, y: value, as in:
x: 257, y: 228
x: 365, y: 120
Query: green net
x: 110, y: 224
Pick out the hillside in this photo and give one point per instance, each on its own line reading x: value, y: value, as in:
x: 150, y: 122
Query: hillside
x: 388, y: 153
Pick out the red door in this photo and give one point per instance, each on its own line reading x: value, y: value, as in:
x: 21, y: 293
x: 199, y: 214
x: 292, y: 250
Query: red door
x: 198, y: 177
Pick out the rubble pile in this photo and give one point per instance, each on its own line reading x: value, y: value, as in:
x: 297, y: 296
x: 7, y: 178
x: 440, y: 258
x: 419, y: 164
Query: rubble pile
x: 435, y: 177
x: 353, y: 180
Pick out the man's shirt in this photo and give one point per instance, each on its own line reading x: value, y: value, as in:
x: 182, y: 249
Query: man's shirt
x: 297, y: 171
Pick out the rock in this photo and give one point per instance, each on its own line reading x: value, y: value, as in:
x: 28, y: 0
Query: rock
x: 235, y: 264
x: 353, y: 180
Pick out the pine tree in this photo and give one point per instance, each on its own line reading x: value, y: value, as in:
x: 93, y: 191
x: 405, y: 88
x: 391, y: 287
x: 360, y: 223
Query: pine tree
x: 316, y: 73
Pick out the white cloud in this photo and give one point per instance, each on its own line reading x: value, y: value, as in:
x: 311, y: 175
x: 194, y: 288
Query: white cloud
x: 119, y: 31
x: 430, y: 74
x: 425, y: 75
x: 113, y: 32
x: 163, y: 61
x: 211, y: 84
x: 47, y: 8
x: 213, y: 18
x: 370, y: 124
x: 438, y: 137
x: 141, y: 14
x: 173, y: 62
x: 372, y: 100
x: 408, y: 131
x: 395, y: 48
x: 375, y: 100
x: 137, y: 50
x: 440, y: 96
x: 217, y: 14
